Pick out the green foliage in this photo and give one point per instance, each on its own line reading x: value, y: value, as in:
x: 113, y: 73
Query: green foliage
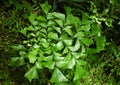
x: 48, y: 45
x: 59, y: 43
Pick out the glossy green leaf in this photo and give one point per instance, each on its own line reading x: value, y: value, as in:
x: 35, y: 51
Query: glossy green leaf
x: 36, y: 46
x: 17, y: 61
x: 58, y: 77
x: 65, y: 50
x: 18, y: 47
x: 76, y: 55
x: 39, y: 65
x: 62, y: 64
x: 96, y: 29
x: 59, y: 22
x: 58, y: 29
x: 49, y: 64
x: 32, y: 55
x: 59, y: 45
x: 68, y: 42
x: 43, y: 24
x: 68, y: 29
x: 53, y: 35
x: 58, y: 56
x: 45, y: 7
x: 61, y: 84
x: 71, y: 63
x: 86, y: 41
x: 68, y: 10
x: 68, y: 57
x: 72, y: 19
x: 51, y: 23
x: 30, y: 28
x: 44, y: 43
x: 79, y: 72
x: 66, y: 64
x: 50, y: 16
x: 63, y: 37
x: 22, y: 53
x: 81, y: 62
x: 79, y: 35
x: 31, y: 18
x: 100, y: 42
x: 23, y: 31
x: 59, y: 15
x: 86, y: 22
x: 48, y: 58
x: 41, y: 18
x: 83, y: 49
x: 43, y: 31
x: 32, y: 74
x: 76, y: 47
x: 49, y: 51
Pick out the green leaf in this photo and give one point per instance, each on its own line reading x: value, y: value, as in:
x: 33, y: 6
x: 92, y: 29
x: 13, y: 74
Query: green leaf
x: 59, y: 16
x: 68, y: 10
x: 59, y: 22
x: 100, y: 42
x: 43, y: 24
x: 48, y: 58
x: 79, y: 72
x: 68, y: 57
x: 58, y: 77
x: 65, y: 50
x: 41, y: 18
x: 44, y: 43
x: 59, y: 45
x: 66, y: 64
x: 32, y: 74
x: 23, y: 31
x: 72, y: 20
x: 43, y: 31
x: 76, y: 55
x: 49, y: 64
x: 86, y: 41
x: 83, y: 49
x: 79, y: 35
x: 58, y: 29
x: 68, y: 29
x: 86, y: 22
x: 39, y: 65
x: 68, y: 42
x: 76, y: 47
x: 81, y: 62
x: 32, y: 55
x: 22, y: 53
x: 51, y: 23
x: 96, y: 29
x: 50, y: 16
x: 71, y: 64
x: 45, y: 7
x: 57, y: 56
x: 92, y: 50
x: 63, y: 37
x: 53, y: 35
x: 31, y: 18
x: 18, y: 47
x: 30, y: 28
x: 17, y: 61
x: 62, y: 64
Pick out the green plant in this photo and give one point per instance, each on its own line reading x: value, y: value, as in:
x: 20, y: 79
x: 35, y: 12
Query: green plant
x: 56, y: 46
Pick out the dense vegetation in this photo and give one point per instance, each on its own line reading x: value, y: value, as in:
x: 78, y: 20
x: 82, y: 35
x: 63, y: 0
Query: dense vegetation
x: 59, y: 42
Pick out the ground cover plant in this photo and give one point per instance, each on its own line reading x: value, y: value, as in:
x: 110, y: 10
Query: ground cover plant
x: 51, y: 42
